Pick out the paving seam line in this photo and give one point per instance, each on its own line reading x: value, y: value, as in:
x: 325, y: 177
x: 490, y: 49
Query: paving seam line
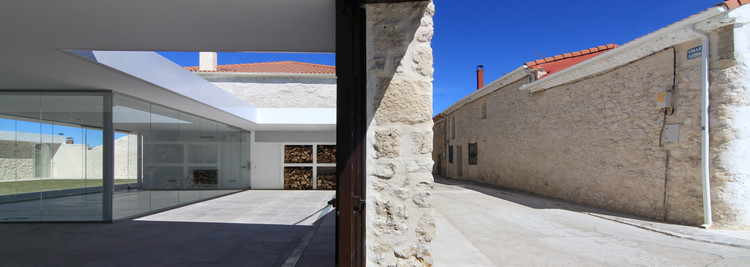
x: 294, y: 257
x: 669, y: 233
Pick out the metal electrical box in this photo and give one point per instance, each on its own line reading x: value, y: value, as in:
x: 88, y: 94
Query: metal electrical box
x: 664, y: 99
x: 671, y: 133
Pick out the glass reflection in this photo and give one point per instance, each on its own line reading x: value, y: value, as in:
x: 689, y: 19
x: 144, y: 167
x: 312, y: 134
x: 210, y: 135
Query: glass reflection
x: 184, y: 158
x: 44, y: 174
x: 52, y: 157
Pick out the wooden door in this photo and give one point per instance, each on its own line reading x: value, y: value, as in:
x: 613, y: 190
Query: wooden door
x: 351, y: 128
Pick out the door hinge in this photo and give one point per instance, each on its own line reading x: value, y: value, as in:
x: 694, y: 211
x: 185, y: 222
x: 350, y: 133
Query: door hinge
x: 332, y: 202
x: 359, y: 204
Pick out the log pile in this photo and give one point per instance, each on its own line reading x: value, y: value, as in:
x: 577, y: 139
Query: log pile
x: 298, y: 178
x: 210, y: 177
x: 327, y: 179
x: 298, y: 154
x: 326, y: 154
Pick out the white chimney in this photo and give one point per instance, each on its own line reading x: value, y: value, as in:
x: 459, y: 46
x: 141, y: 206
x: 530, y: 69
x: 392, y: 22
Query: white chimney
x: 207, y: 61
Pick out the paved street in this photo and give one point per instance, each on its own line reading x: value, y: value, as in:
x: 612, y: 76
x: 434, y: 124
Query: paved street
x: 480, y: 226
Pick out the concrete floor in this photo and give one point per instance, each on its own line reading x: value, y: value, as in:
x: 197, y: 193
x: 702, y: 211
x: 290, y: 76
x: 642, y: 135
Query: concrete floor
x: 481, y: 226
x: 88, y: 207
x: 250, y: 228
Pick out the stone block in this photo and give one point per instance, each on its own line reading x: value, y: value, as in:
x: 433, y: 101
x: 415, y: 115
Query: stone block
x: 421, y: 142
x: 422, y: 57
x: 390, y: 217
x: 422, y: 199
x: 413, y: 255
x: 404, y: 101
x: 426, y: 228
x: 385, y: 171
x: 423, y: 166
x: 387, y: 143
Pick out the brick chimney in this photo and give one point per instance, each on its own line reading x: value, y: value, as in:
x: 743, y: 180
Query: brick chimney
x: 480, y: 77
x: 207, y: 61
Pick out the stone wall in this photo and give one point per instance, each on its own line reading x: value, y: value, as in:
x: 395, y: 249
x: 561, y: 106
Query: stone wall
x: 730, y: 122
x: 599, y: 140
x: 594, y: 141
x: 282, y: 91
x: 16, y: 160
x: 399, y: 221
x: 68, y: 160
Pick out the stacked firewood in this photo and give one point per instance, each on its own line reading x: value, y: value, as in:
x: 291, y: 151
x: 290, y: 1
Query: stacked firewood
x: 327, y: 154
x: 298, y: 154
x: 298, y: 178
x: 327, y: 180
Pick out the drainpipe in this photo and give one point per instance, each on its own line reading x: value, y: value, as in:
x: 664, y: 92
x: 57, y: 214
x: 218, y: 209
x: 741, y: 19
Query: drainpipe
x: 705, y: 142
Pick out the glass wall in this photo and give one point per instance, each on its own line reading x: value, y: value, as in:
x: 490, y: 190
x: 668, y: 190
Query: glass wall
x: 181, y: 158
x: 51, y: 156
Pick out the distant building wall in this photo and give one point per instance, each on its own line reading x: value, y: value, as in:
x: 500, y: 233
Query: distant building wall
x: 68, y: 161
x: 278, y: 91
x: 599, y: 140
x: 439, y: 152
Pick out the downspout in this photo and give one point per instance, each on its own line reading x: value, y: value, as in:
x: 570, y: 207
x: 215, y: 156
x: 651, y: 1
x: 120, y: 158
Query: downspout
x: 705, y: 142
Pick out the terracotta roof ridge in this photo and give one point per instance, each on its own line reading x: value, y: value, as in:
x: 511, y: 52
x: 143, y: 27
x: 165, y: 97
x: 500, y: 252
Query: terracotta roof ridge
x: 583, y: 52
x: 732, y: 4
x: 269, y: 62
x: 271, y: 67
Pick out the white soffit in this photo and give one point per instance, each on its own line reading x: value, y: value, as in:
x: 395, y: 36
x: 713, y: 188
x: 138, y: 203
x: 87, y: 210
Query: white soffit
x: 157, y: 70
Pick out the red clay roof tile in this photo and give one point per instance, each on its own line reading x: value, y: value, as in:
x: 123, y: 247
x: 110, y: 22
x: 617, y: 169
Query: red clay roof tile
x: 731, y: 4
x: 557, y: 63
x: 273, y: 67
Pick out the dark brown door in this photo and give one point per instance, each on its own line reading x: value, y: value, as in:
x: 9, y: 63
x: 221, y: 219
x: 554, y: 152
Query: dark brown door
x: 351, y: 128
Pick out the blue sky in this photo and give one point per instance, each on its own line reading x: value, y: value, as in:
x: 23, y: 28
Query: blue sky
x: 502, y: 35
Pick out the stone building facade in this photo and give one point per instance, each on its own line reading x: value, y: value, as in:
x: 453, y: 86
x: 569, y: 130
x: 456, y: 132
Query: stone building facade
x: 276, y: 84
x: 595, y: 133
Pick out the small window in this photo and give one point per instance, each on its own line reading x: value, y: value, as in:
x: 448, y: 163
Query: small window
x: 453, y: 128
x: 472, y: 153
x: 450, y: 154
x: 484, y: 110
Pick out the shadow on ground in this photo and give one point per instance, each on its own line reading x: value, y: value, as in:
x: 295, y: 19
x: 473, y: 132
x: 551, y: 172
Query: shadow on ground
x: 154, y: 243
x: 533, y: 200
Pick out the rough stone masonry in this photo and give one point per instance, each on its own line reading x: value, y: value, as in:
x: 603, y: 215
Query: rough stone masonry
x: 400, y: 225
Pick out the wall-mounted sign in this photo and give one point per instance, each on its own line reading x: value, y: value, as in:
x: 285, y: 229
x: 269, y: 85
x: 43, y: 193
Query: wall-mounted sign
x: 694, y: 52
